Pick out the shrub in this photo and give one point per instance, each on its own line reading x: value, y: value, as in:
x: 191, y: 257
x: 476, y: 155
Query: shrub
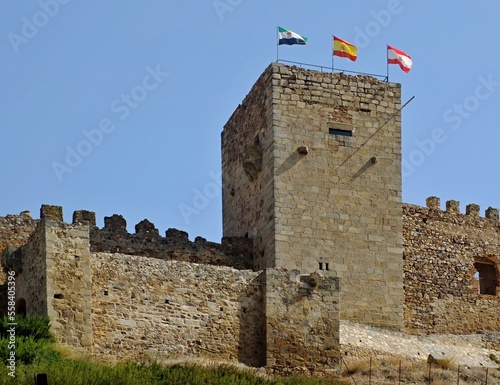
x: 35, y: 326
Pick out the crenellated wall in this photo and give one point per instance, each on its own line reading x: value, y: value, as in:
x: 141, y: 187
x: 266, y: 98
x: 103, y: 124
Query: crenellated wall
x: 113, y: 238
x: 315, y: 231
x: 116, y: 306
x: 443, y: 251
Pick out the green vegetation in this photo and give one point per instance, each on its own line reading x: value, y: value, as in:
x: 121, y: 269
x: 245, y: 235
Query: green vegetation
x: 36, y: 352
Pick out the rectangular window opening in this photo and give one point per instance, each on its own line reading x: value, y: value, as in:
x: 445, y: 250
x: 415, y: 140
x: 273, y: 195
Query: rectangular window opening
x: 339, y: 131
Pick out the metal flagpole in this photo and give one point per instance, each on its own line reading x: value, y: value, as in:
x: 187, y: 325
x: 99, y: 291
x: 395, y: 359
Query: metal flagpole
x: 387, y: 61
x: 277, y: 43
x: 332, y: 53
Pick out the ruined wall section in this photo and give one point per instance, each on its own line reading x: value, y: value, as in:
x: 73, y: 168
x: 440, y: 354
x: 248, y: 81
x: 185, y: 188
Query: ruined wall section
x: 114, y: 238
x: 247, y: 172
x: 165, y: 309
x: 441, y: 248
x: 302, y: 322
x: 28, y: 262
x: 15, y: 231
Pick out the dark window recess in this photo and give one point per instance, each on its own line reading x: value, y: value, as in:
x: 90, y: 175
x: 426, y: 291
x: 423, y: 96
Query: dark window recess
x: 487, y: 276
x: 58, y: 296
x: 327, y: 267
x: 21, y: 307
x: 339, y: 131
x: 320, y: 266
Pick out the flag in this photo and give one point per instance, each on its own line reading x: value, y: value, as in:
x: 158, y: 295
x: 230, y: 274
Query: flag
x: 288, y: 37
x: 395, y: 56
x: 344, y: 49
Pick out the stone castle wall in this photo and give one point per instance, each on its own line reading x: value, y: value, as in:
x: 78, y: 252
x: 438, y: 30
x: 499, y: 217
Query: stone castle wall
x: 442, y: 249
x: 116, y: 306
x: 149, y: 307
x: 29, y: 263
x: 325, y: 187
x: 314, y: 232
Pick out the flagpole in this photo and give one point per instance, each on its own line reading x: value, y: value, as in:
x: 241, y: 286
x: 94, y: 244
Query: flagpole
x: 387, y: 61
x: 277, y: 43
x: 332, y: 55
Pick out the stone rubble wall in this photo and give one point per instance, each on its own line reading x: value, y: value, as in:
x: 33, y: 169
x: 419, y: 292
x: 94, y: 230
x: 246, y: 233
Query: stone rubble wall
x: 168, y: 309
x: 15, y: 231
x: 29, y: 263
x: 440, y: 249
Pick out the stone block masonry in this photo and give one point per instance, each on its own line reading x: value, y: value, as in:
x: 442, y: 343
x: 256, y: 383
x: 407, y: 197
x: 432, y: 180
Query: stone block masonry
x: 114, y: 238
x: 302, y: 322
x: 116, y: 306
x: 314, y: 232
x: 312, y: 172
x: 150, y: 308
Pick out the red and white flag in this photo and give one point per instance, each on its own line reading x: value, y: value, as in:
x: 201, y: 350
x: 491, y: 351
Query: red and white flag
x: 395, y: 56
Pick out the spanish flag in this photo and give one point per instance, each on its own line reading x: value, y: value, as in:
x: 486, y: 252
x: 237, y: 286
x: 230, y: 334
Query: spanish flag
x: 344, y: 49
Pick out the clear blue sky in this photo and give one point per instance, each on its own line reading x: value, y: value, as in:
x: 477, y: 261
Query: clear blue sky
x: 117, y: 106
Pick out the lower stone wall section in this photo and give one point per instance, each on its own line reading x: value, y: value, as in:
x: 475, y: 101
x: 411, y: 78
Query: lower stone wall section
x: 302, y: 322
x: 164, y: 309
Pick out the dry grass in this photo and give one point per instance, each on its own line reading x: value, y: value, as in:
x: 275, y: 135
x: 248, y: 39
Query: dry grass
x: 393, y: 370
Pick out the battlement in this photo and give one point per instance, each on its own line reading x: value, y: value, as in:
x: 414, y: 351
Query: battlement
x: 453, y: 208
x: 234, y: 252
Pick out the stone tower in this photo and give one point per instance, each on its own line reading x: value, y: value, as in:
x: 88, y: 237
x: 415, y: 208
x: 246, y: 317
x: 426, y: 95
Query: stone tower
x: 311, y: 167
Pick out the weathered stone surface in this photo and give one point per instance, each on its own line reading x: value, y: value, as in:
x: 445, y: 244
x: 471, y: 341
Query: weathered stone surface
x: 302, y: 322
x: 441, y: 250
x: 51, y: 212
x: 145, y: 306
x: 114, y: 238
x: 334, y: 206
x: 308, y: 239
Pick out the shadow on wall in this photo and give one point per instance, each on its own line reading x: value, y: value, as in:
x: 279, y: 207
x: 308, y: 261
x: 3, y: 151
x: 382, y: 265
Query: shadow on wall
x: 251, y: 347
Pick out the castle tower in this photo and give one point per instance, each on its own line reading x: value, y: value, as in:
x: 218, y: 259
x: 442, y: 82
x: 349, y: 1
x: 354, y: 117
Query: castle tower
x: 312, y: 173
